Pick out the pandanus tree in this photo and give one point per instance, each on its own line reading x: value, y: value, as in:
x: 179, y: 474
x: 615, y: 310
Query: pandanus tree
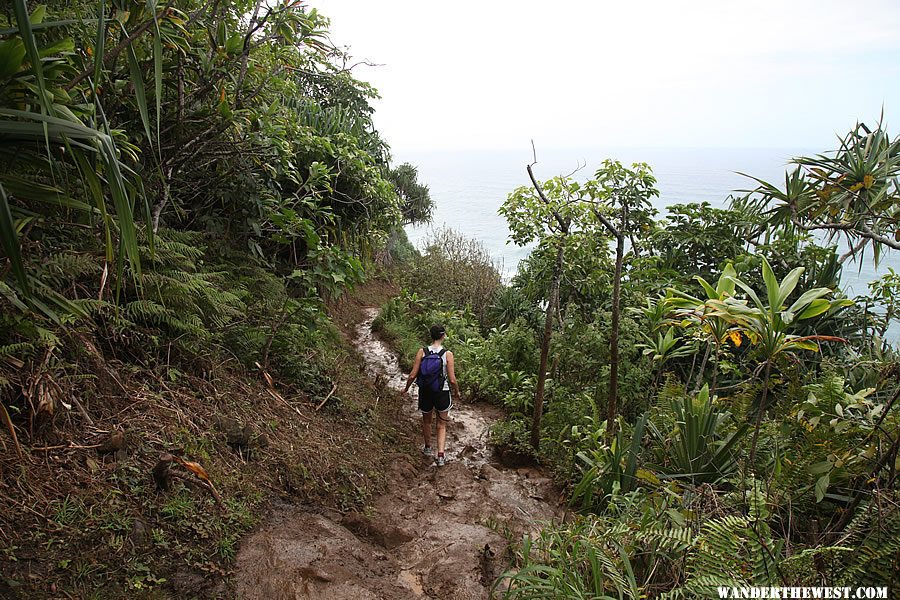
x: 768, y: 322
x: 852, y: 193
x: 416, y: 204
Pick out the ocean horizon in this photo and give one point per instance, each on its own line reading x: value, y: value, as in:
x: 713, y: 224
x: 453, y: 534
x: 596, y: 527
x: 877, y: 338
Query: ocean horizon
x: 468, y: 187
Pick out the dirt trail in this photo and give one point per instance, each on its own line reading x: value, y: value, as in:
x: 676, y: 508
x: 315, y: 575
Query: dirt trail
x: 437, y: 532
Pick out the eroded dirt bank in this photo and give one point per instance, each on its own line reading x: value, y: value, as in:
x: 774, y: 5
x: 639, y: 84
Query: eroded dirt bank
x: 437, y: 532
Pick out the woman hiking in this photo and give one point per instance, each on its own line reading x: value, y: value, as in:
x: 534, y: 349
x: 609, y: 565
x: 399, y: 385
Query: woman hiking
x: 434, y: 373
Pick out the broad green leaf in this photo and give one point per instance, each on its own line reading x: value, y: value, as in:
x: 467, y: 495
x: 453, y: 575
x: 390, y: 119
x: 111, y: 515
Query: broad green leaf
x: 800, y: 345
x: 235, y: 43
x: 12, y: 55
x: 221, y: 33
x: 807, y: 297
x: 725, y: 285
x: 771, y: 283
x: 788, y: 284
x: 815, y: 308
x: 711, y: 292
x: 38, y: 14
x: 62, y: 46
x: 821, y: 467
x: 749, y: 291
x: 822, y: 486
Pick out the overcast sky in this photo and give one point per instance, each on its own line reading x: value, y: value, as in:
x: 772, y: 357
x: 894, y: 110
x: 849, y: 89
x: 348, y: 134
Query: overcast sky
x: 494, y: 74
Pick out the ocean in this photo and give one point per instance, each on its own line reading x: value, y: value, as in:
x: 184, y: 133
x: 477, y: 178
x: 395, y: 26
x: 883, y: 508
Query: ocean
x: 469, y: 186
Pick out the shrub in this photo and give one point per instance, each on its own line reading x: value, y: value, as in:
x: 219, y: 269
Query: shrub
x: 455, y: 271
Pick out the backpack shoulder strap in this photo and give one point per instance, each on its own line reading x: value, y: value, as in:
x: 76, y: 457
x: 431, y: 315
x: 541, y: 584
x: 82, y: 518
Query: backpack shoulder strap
x: 442, y: 352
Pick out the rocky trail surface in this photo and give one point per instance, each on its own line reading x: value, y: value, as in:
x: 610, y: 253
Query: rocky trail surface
x: 436, y: 533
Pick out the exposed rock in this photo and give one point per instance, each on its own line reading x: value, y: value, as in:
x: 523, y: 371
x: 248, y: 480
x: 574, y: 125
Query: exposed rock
x: 383, y: 534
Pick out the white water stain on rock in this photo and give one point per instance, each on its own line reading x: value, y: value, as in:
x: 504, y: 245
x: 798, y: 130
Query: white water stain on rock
x: 436, y: 533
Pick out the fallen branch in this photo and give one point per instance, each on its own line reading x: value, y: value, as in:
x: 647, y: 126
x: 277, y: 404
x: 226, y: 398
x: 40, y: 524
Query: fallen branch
x: 12, y: 430
x: 270, y: 383
x: 81, y: 409
x: 331, y: 393
x: 278, y: 396
x: 69, y: 446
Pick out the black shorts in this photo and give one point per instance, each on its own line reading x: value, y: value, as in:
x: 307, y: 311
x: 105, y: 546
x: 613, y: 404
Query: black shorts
x: 429, y: 400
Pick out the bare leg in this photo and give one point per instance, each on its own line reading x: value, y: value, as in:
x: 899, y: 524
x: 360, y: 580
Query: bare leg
x: 426, y: 427
x: 443, y: 419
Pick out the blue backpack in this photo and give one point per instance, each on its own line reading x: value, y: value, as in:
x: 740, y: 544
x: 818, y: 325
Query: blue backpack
x: 431, y: 371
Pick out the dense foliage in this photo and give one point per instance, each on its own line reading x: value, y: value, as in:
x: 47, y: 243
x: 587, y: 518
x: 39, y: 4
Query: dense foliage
x: 182, y: 185
x: 161, y: 160
x: 756, y: 429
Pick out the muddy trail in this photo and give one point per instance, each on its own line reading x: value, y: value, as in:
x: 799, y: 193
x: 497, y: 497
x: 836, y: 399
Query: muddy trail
x: 437, y: 532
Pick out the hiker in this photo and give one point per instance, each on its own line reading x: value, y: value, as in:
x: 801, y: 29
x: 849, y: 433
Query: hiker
x: 433, y: 372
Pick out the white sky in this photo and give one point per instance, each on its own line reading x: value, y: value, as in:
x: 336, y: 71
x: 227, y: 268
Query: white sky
x: 495, y: 74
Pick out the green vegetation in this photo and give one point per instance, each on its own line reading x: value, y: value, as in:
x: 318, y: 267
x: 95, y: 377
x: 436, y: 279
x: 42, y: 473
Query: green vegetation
x: 188, y: 188
x: 184, y: 187
x: 741, y: 432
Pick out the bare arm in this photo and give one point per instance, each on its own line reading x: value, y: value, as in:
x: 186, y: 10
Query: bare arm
x: 415, y: 370
x: 451, y: 374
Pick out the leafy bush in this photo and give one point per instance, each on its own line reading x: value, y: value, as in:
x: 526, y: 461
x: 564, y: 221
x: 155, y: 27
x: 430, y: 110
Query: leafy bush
x: 607, y: 470
x: 455, y: 271
x: 510, y: 438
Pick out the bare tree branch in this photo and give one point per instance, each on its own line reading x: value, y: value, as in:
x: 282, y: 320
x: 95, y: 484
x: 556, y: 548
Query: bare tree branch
x: 563, y: 223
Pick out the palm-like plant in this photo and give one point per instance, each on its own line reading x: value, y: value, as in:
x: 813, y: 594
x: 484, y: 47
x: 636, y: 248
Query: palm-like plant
x: 702, y: 314
x: 851, y: 193
x: 768, y: 324
x: 699, y: 451
x: 608, y: 469
x: 45, y: 139
x: 665, y: 347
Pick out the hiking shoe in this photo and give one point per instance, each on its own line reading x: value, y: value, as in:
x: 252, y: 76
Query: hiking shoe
x: 428, y: 451
x: 440, y: 461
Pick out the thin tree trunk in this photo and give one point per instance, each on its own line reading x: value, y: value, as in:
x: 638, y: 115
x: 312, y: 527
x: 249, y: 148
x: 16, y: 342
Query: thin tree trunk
x: 703, y: 362
x: 162, y: 201
x: 545, y: 349
x: 612, y: 400
x: 759, y: 412
x: 715, y: 374
x: 690, y: 377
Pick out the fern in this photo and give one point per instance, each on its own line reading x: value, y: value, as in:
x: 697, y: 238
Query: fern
x: 68, y: 266
x: 874, y: 535
x: 18, y: 350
